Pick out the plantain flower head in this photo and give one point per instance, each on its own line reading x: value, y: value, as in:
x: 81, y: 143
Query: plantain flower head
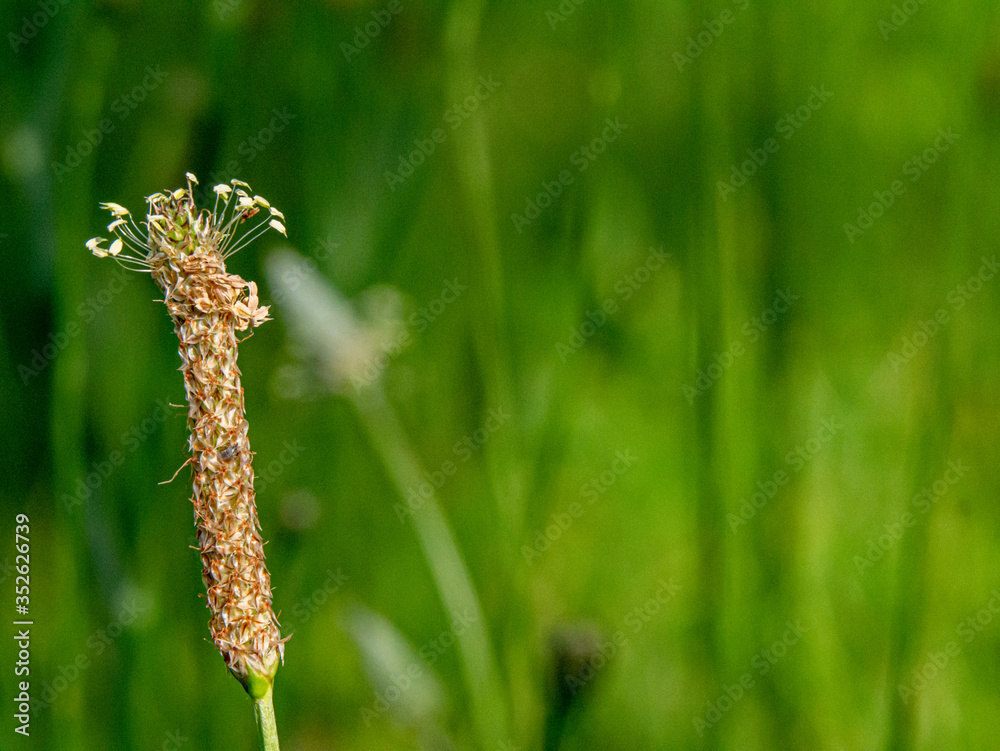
x: 184, y: 249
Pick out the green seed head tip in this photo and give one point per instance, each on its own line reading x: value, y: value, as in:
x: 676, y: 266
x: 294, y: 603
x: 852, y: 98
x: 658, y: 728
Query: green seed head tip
x: 257, y: 685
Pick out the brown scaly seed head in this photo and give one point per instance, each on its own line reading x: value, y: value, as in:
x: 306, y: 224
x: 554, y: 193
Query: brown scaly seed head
x: 185, y: 249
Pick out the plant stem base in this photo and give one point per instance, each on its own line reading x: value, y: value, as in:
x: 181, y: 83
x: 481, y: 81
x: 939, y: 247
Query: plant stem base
x: 263, y: 710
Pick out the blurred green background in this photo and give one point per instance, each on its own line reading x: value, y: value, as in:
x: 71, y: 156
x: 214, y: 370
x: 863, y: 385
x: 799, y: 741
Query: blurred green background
x: 713, y: 415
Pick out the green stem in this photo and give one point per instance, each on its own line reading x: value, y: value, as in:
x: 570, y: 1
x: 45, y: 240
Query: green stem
x: 440, y: 549
x: 263, y: 710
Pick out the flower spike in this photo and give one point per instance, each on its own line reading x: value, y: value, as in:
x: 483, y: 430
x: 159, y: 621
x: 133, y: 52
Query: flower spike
x: 184, y: 250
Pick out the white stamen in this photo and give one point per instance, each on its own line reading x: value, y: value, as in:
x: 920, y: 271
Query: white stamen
x: 115, y: 209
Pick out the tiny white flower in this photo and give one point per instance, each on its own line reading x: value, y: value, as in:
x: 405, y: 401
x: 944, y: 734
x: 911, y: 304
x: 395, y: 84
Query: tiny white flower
x: 222, y: 189
x: 278, y: 226
x: 116, y: 247
x: 116, y: 224
x: 275, y: 212
x: 261, y: 201
x: 191, y: 177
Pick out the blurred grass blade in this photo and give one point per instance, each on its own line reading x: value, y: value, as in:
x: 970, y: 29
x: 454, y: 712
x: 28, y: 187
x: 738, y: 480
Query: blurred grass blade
x: 335, y: 342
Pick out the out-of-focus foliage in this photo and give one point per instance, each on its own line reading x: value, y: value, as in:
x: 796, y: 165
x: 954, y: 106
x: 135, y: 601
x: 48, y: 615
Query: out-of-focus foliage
x: 687, y: 313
